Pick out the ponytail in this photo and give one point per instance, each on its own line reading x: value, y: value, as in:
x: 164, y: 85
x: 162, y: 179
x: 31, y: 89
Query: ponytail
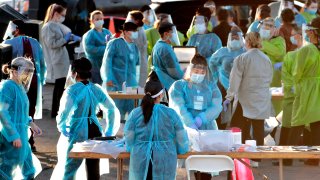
x: 151, y: 89
x: 147, y: 107
x: 5, y: 68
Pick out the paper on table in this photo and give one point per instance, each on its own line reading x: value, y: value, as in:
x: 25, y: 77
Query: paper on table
x: 108, y: 148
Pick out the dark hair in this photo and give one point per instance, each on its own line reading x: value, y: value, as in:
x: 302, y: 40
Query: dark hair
x: 129, y: 26
x: 315, y: 22
x: 264, y: 11
x: 152, y: 76
x: 20, y: 25
x: 222, y: 15
x: 198, y: 59
x: 151, y: 88
x: 287, y: 15
x: 137, y: 16
x: 165, y: 27
x: 83, y: 67
x: 53, y: 8
x: 145, y: 8
x: 202, y: 11
x: 309, y: 2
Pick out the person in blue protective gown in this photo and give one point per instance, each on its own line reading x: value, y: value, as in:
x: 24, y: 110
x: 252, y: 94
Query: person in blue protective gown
x: 164, y: 60
x: 94, y: 43
x: 119, y: 65
x: 16, y: 159
x: 24, y: 46
x: 221, y: 63
x: 263, y: 11
x: 154, y: 135
x: 289, y: 4
x: 206, y: 43
x: 77, y: 120
x: 196, y: 99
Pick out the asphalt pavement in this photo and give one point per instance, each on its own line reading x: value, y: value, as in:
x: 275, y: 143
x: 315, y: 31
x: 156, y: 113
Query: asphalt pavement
x: 46, y: 152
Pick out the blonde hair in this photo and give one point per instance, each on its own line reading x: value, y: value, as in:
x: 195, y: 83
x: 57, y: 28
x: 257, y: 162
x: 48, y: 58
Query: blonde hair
x: 253, y: 40
x: 92, y: 14
x: 5, y: 69
x: 53, y: 8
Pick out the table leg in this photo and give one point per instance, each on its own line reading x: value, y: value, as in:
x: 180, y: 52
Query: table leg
x: 136, y: 103
x: 120, y: 169
x: 280, y: 169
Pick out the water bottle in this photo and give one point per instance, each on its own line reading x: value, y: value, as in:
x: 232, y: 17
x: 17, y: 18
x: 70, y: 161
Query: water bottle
x: 124, y: 87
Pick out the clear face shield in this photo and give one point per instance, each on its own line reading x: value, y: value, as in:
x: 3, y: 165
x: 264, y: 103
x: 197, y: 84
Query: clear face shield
x: 305, y: 29
x: 196, y: 73
x: 10, y: 28
x: 25, y: 75
x: 235, y: 41
x: 175, y: 37
x: 200, y: 24
x: 150, y: 16
x: 212, y: 6
x: 266, y: 30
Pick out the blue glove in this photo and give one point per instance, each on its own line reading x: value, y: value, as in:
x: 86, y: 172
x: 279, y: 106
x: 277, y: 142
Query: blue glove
x: 225, y: 105
x: 292, y: 89
x: 66, y: 133
x: 76, y: 38
x: 277, y: 66
x: 67, y: 36
x: 198, y: 121
x: 193, y: 126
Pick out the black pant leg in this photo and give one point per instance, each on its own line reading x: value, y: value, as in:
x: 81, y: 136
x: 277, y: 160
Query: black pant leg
x: 258, y: 130
x: 57, y: 93
x: 238, y: 119
x: 295, y: 135
x: 315, y: 133
x: 284, y: 136
x: 245, y: 129
x: 32, y: 96
x: 93, y: 165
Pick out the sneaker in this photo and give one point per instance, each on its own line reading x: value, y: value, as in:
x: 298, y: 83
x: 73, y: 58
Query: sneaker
x: 254, y: 164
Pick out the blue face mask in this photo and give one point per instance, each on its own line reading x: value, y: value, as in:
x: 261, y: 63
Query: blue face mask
x: 293, y: 40
x: 197, y: 78
x: 311, y: 11
x: 235, y: 45
x: 265, y: 34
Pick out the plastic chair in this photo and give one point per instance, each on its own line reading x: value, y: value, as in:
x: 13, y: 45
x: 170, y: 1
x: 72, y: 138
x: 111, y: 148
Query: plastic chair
x: 209, y: 163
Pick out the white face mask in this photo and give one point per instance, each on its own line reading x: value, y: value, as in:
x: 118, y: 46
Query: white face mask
x: 293, y: 40
x: 61, y: 19
x: 197, y: 78
x: 201, y: 28
x: 151, y: 19
x: 235, y: 44
x: 134, y: 35
x: 98, y: 24
x: 265, y: 34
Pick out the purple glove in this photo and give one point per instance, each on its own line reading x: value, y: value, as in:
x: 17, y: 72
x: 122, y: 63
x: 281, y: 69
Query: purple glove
x: 225, y: 105
x: 198, y: 121
x: 278, y: 66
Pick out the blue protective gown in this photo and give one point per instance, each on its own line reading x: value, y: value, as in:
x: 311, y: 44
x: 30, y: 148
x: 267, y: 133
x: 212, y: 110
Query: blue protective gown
x: 184, y: 97
x: 40, y: 65
x: 76, y: 103
x: 166, y: 64
x: 119, y: 65
x: 206, y: 44
x: 159, y: 141
x: 94, y: 44
x: 220, y: 64
x: 14, y: 121
x: 298, y: 18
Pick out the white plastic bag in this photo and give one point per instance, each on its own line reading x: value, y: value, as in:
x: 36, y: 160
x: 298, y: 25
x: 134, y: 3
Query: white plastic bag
x: 215, y: 140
